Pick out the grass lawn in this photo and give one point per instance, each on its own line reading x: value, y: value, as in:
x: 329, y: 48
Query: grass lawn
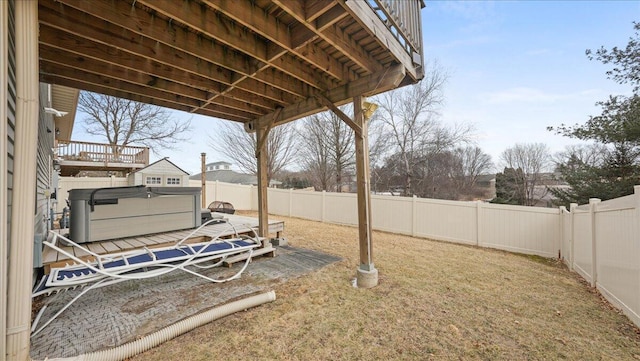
x: 435, y: 301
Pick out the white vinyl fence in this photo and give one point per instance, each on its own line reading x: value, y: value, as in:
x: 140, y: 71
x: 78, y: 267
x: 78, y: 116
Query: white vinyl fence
x: 65, y: 184
x: 527, y: 230
x: 603, y: 244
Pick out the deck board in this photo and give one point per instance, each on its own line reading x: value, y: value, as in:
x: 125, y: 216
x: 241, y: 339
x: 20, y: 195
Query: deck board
x: 242, y: 224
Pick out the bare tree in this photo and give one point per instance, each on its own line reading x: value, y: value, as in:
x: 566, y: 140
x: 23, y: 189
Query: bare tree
x: 471, y: 162
x: 314, y: 153
x: 123, y: 122
x: 532, y: 159
x: 327, y: 149
x: 408, y: 115
x: 234, y: 142
x: 588, y: 154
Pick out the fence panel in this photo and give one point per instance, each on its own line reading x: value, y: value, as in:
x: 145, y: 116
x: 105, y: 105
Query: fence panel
x: 279, y: 201
x: 446, y: 220
x: 341, y: 208
x: 528, y: 230
x: 582, y: 243
x: 306, y: 205
x: 617, y: 251
x: 392, y: 214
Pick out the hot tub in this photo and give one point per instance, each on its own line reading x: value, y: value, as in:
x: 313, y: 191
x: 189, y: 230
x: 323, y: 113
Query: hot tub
x: 108, y: 213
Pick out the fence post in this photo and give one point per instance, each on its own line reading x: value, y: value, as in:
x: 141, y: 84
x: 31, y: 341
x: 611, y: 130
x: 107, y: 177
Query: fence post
x: 593, y: 207
x: 414, y: 216
x: 479, y: 222
x: 290, y: 200
x: 572, y: 209
x: 561, y: 234
x: 323, y: 206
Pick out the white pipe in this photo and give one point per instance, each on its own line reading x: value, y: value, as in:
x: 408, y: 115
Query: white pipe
x: 152, y: 340
x: 20, y: 260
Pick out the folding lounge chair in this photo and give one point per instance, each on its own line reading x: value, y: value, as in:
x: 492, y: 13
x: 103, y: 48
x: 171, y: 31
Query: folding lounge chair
x: 112, y: 268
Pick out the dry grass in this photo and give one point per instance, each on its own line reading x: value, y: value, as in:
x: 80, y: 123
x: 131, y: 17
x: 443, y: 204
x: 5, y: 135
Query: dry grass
x: 435, y: 301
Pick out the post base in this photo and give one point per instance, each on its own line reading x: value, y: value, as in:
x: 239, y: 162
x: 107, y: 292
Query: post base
x: 367, y: 279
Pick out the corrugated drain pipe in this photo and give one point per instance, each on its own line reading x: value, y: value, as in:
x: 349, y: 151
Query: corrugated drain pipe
x: 152, y: 340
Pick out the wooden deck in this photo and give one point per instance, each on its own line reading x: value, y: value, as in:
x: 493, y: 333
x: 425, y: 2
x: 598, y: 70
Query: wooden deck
x: 52, y: 258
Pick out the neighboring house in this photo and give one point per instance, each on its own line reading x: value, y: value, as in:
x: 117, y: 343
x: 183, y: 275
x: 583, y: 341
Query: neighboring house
x: 162, y: 173
x: 218, y: 166
x: 222, y: 172
x: 486, y: 183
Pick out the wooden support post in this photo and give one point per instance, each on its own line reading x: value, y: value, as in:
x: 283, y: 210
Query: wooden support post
x: 203, y: 178
x: 261, y: 154
x: 367, y: 274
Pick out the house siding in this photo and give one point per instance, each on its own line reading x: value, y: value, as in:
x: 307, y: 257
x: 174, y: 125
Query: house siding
x: 162, y: 169
x: 11, y: 111
x: 43, y: 174
x: 7, y: 139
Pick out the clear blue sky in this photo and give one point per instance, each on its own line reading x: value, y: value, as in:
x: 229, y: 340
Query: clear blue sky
x: 518, y: 67
x: 515, y: 68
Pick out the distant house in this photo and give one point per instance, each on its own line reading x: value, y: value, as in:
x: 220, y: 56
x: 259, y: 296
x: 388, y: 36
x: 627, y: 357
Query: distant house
x: 162, y: 173
x: 222, y: 172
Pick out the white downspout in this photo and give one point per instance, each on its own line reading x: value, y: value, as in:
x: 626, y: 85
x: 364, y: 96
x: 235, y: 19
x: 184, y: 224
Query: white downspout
x: 4, y: 59
x: 20, y: 262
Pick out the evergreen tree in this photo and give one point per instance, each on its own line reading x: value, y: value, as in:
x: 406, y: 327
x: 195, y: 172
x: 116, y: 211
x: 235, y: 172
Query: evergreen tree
x: 509, y: 188
x: 617, y: 127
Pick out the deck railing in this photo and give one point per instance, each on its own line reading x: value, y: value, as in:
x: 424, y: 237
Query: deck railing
x: 403, y: 20
x: 102, y: 153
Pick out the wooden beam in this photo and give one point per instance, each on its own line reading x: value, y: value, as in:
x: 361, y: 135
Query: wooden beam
x: 263, y: 142
x: 107, y: 35
x: 222, y: 30
x: 331, y: 17
x: 316, y: 8
x: 150, y: 36
x: 366, y: 86
x: 366, y: 268
x: 116, y: 91
x: 333, y: 36
x: 269, y: 27
x: 263, y: 182
x: 78, y: 60
x: 345, y: 118
x: 125, y: 80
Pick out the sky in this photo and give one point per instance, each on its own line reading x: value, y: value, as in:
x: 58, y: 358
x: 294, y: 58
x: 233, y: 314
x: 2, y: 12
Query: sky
x: 515, y: 67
